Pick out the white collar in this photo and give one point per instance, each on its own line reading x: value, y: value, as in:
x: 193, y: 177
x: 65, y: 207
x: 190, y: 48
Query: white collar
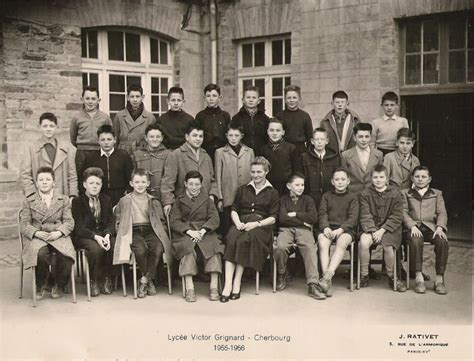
x: 46, y: 197
x: 320, y: 154
x: 421, y: 191
x: 363, y: 150
x: 102, y: 153
x: 257, y: 191
x: 393, y: 117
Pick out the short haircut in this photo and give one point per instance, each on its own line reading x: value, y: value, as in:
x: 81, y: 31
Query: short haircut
x: 293, y: 88
x: 420, y: 167
x: 405, y: 132
x: 362, y: 127
x: 49, y: 116
x: 91, y: 89
x: 235, y: 125
x: 139, y: 172
x: 390, y: 96
x: 263, y: 162
x: 342, y: 169
x: 176, y: 90
x: 251, y: 88
x: 93, y: 172
x: 278, y: 121
x: 193, y: 125
x: 134, y: 88
x: 294, y: 176
x: 340, y: 94
x: 319, y: 130
x: 106, y: 128
x: 45, y: 170
x: 155, y: 126
x: 194, y: 174
x: 379, y: 168
x: 211, y: 87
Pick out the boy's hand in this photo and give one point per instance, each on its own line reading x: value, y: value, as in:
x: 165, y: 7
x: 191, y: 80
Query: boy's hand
x: 220, y: 206
x: 291, y: 214
x: 167, y: 210
x: 106, y: 242
x: 377, y: 235
x: 440, y: 232
x: 328, y: 233
x: 195, y: 235
x: 54, y: 236
x: 415, y: 232
x: 337, y: 232
x: 44, y: 236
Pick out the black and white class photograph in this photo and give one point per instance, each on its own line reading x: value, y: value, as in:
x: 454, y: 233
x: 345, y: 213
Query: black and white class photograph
x: 236, y: 179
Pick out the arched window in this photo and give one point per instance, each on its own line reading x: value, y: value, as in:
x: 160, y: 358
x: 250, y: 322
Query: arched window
x: 114, y: 58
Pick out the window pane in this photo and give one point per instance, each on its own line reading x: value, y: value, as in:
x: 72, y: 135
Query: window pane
x: 277, y: 105
x: 457, y: 32
x: 246, y: 83
x: 277, y: 52
x: 164, y: 103
x: 92, y: 44
x: 115, y: 40
x: 164, y: 85
x: 430, y: 36
x: 133, y: 47
x: 155, y: 85
x: 94, y: 80
x: 154, y: 51
x: 288, y: 51
x: 133, y: 80
x: 84, y: 80
x: 84, y: 44
x: 117, y: 101
x: 259, y: 54
x: 470, y: 33
x: 247, y: 55
x: 260, y: 84
x: 163, y: 52
x: 470, y: 66
x: 413, y: 38
x: 287, y: 81
x: 277, y: 86
x: 413, y: 70
x: 457, y: 67
x: 430, y: 69
x: 155, y: 103
x: 117, y: 83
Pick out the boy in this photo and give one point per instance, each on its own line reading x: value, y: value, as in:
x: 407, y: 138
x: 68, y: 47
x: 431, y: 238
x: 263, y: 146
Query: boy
x: 339, y: 123
x: 385, y: 128
x: 426, y: 219
x: 338, y: 217
x: 297, y: 216
x: 139, y: 225
x: 115, y: 163
x: 213, y: 120
x: 152, y: 157
x: 94, y: 231
x: 361, y: 159
x: 194, y: 220
x: 381, y: 215
x: 319, y: 163
x: 175, y: 121
x: 190, y: 156
x: 84, y: 125
x: 253, y: 120
x: 400, y: 163
x: 283, y: 157
x: 51, y: 152
x: 130, y: 123
x: 299, y: 127
x: 46, y: 221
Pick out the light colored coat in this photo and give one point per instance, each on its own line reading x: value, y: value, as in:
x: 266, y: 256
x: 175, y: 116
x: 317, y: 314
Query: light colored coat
x: 64, y: 167
x: 124, y: 228
x: 360, y: 177
x: 429, y: 209
x: 399, y: 169
x: 36, y: 216
x: 232, y: 171
x: 128, y: 131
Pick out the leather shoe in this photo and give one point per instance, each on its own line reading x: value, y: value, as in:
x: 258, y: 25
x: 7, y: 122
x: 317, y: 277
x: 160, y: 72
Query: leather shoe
x: 95, y: 291
x: 224, y: 299
x: 281, y: 282
x: 364, y: 281
x: 315, y: 292
x: 420, y: 287
x: 324, y: 284
x: 400, y: 285
x: 56, y: 292
x: 234, y: 296
x: 142, y: 288
x: 213, y: 294
x: 190, y: 296
x: 150, y: 288
x: 40, y: 292
x: 440, y: 288
x: 108, y: 288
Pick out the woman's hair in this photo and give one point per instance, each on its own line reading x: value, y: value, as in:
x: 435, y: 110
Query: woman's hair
x: 263, y: 162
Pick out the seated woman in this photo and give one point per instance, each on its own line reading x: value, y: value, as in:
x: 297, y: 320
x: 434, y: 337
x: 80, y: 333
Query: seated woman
x: 249, y: 240
x: 194, y: 220
x: 94, y: 230
x: 46, y: 222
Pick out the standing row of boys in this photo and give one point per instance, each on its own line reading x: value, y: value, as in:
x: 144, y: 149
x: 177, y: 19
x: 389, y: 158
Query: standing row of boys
x: 216, y: 175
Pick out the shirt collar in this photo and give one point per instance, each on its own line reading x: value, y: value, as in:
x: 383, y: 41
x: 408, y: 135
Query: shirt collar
x: 363, y: 150
x: 393, y: 117
x: 51, y: 141
x: 421, y: 191
x: 320, y: 154
x: 257, y: 191
x: 102, y: 153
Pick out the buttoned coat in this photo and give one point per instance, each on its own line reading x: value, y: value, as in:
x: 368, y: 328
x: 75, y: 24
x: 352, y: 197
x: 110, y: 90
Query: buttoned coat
x: 232, y: 171
x: 36, y: 216
x: 428, y: 209
x: 360, y: 177
x: 128, y: 131
x: 186, y: 215
x: 124, y: 228
x: 180, y: 162
x: 399, y: 169
x: 64, y: 167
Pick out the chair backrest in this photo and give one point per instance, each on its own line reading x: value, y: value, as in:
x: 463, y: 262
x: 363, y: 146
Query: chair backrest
x: 20, y: 236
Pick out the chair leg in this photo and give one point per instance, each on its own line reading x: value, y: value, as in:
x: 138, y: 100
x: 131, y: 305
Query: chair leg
x: 73, y: 285
x: 219, y: 283
x: 78, y: 270
x: 21, y: 280
x: 170, y: 286
x: 358, y: 271
x: 134, y: 267
x: 257, y: 282
x: 33, y: 272
x: 81, y: 261
x: 351, y: 278
x: 408, y: 265
x: 116, y: 283
x: 274, y: 274
x: 88, y: 277
x: 124, y: 285
x: 183, y: 287
x: 395, y: 276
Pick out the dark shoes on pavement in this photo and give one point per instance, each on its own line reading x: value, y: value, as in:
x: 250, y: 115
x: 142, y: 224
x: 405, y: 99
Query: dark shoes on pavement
x: 440, y: 288
x: 40, y: 291
x: 190, y: 296
x: 150, y: 288
x: 56, y: 292
x: 108, y: 287
x: 281, y: 282
x: 142, y: 289
x: 315, y: 292
x: 364, y: 281
x: 420, y: 287
x: 213, y: 294
x: 95, y: 291
x: 400, y: 285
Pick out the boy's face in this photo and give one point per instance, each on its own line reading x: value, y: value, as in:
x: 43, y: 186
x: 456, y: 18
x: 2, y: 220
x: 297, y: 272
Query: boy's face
x: 275, y: 132
x: 193, y: 186
x: 379, y: 180
x: 93, y: 185
x: 154, y: 138
x: 319, y: 141
x: 340, y: 181
x: 48, y: 128
x: 296, y: 186
x: 44, y: 182
x: 340, y: 105
x: 292, y: 100
x: 234, y: 137
x: 389, y: 107
x: 212, y: 98
x: 421, y: 179
x: 175, y: 102
x: 405, y: 145
x: 139, y: 183
x: 106, y: 141
x: 195, y: 138
x: 135, y: 98
x: 250, y: 99
x: 362, y: 138
x: 90, y: 100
